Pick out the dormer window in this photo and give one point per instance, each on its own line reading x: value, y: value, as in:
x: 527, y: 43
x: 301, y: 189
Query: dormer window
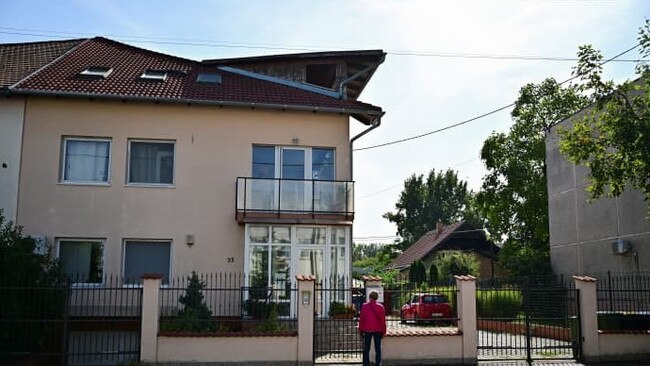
x: 97, y: 72
x: 208, y: 78
x: 154, y: 75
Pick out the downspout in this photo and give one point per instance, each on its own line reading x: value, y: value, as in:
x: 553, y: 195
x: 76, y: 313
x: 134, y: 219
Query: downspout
x: 343, y: 83
x: 376, y: 123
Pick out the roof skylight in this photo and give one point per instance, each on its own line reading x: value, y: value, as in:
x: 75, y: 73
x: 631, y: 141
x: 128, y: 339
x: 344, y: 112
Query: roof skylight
x: 97, y: 72
x: 208, y: 78
x: 156, y: 75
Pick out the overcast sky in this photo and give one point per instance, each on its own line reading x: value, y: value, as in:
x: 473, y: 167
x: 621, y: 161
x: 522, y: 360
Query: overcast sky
x: 420, y: 92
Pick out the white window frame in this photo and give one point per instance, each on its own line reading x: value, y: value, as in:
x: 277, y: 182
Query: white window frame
x: 154, y: 75
x: 139, y: 240
x: 308, y: 158
x: 64, y: 150
x: 102, y: 242
x: 99, y: 72
x: 128, y: 164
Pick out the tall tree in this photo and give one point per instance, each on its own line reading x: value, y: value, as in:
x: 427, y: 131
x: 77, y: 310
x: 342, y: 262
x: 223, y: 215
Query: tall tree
x: 612, y: 140
x: 513, y: 197
x: 442, y: 196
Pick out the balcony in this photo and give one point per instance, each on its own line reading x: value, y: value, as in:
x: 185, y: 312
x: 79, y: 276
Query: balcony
x: 299, y: 201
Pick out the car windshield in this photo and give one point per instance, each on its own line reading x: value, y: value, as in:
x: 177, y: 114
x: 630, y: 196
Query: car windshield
x: 434, y: 299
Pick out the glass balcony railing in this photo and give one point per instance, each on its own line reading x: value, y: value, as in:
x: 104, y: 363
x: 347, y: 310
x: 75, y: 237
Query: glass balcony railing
x: 276, y: 195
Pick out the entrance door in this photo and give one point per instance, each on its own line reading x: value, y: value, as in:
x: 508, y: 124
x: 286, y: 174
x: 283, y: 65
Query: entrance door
x: 295, y: 191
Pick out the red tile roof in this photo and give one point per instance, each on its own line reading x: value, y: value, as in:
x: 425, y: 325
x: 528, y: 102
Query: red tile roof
x: 18, y: 60
x: 424, y: 246
x: 128, y: 63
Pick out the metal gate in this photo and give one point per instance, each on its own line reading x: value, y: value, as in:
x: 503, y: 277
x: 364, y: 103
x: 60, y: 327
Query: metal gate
x: 70, y: 324
x: 528, y: 320
x: 336, y: 335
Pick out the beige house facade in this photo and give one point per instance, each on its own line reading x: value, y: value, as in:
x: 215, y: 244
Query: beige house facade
x: 125, y: 162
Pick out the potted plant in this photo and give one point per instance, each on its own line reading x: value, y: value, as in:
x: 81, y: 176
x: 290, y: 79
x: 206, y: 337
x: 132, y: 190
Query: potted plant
x: 339, y: 310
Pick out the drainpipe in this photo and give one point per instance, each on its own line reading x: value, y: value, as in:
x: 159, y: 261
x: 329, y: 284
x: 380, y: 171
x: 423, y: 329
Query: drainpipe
x: 375, y: 123
x: 351, y: 78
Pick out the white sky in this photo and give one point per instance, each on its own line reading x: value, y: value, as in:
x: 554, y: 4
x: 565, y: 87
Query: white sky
x: 418, y: 93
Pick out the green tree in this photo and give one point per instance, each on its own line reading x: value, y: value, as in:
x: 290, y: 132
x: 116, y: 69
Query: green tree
x: 19, y: 261
x: 195, y: 316
x: 513, y: 197
x: 417, y: 272
x: 433, y: 274
x: 32, y: 286
x: 613, y: 137
x: 442, y: 196
x: 376, y: 265
x: 452, y: 263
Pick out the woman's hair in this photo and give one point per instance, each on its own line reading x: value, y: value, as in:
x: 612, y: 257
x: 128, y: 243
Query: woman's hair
x: 373, y: 295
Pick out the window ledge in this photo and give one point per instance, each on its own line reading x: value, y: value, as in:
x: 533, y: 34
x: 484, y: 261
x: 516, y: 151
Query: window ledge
x: 95, y: 184
x: 149, y: 185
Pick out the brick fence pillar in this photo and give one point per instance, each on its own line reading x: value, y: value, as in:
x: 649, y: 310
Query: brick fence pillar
x: 586, y: 287
x: 306, y: 303
x: 149, y: 319
x: 466, y: 307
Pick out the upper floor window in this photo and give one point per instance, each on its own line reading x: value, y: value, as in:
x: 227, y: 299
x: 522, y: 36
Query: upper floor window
x: 151, y: 162
x: 85, y: 160
x: 290, y: 162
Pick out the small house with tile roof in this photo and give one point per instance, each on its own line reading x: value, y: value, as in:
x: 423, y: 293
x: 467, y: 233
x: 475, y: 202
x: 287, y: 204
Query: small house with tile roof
x: 127, y: 161
x: 460, y: 236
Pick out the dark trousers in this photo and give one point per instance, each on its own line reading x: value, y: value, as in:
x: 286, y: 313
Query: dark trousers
x: 366, y: 348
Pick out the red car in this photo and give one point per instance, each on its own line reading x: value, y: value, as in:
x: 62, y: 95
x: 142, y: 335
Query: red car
x: 426, y: 307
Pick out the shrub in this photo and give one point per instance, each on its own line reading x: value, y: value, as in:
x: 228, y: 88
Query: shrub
x: 195, y: 316
x: 499, y: 303
x: 417, y: 272
x: 433, y: 274
x: 339, y: 308
x: 452, y: 263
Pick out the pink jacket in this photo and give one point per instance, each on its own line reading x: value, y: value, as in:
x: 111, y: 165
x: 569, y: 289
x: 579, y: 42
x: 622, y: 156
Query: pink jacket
x: 372, y: 318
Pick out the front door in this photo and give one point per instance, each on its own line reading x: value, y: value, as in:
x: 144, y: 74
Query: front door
x: 295, y: 195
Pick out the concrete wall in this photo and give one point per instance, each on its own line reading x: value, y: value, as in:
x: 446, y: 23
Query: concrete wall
x: 213, y: 148
x: 11, y: 136
x: 581, y: 232
x: 224, y: 349
x: 428, y: 350
x: 619, y: 347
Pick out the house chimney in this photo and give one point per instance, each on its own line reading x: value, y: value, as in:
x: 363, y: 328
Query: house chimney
x: 439, y: 227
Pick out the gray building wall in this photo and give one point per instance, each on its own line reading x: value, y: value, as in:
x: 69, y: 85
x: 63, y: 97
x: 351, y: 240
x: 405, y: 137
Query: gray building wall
x: 581, y: 232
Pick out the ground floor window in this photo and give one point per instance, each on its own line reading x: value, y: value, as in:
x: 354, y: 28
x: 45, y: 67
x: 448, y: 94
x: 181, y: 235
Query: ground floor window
x: 146, y: 256
x: 275, y: 254
x: 82, y: 259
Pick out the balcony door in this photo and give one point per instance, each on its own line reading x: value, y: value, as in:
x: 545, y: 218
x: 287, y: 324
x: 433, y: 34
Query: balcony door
x: 295, y: 190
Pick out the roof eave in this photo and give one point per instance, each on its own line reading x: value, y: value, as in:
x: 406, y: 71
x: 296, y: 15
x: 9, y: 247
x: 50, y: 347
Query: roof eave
x: 360, y: 114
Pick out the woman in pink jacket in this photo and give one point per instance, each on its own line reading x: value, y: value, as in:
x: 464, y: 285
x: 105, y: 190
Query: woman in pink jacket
x: 372, y: 325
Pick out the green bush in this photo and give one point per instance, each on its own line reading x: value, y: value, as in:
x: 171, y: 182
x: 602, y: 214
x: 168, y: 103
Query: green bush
x: 498, y: 303
x: 450, y: 263
x: 339, y: 308
x: 195, y: 316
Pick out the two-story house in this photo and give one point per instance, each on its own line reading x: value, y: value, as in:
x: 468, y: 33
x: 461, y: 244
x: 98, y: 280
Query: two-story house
x: 127, y: 161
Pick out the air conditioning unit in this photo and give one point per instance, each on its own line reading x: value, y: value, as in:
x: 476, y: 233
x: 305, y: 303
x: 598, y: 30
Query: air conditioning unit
x: 620, y: 247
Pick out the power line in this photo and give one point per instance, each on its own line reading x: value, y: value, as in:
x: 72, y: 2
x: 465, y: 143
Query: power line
x: 482, y: 115
x: 400, y: 184
x: 284, y: 47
